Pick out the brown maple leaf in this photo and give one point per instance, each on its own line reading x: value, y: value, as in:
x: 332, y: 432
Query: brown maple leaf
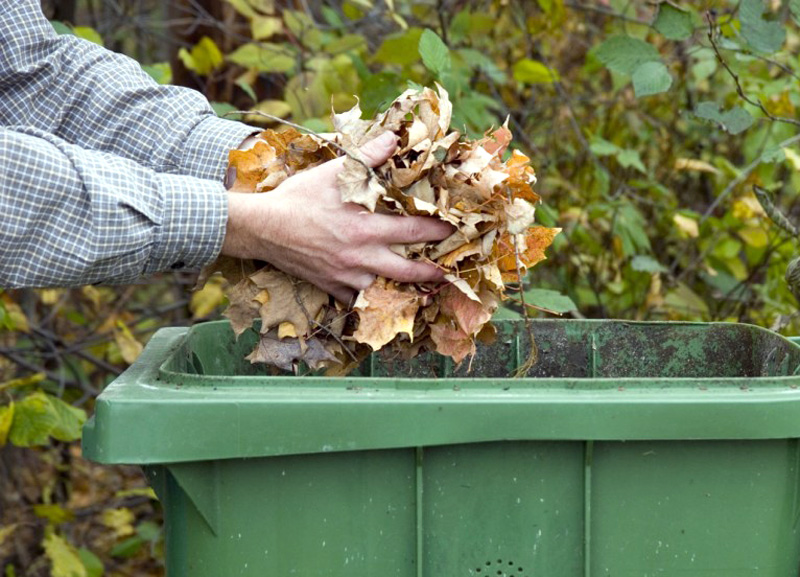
x: 289, y: 300
x: 252, y: 166
x: 384, y: 311
x: 450, y: 340
x: 285, y: 353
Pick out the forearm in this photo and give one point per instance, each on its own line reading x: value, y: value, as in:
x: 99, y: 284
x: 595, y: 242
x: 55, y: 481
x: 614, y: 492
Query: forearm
x: 74, y: 217
x: 100, y: 100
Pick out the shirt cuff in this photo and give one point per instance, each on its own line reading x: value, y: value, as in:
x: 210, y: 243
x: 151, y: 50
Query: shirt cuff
x: 206, y: 149
x: 193, y: 222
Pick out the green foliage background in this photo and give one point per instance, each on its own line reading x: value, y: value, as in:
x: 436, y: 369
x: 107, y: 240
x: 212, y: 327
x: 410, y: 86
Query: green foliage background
x: 648, y: 125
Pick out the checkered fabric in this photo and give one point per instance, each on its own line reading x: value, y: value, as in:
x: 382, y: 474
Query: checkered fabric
x: 105, y: 175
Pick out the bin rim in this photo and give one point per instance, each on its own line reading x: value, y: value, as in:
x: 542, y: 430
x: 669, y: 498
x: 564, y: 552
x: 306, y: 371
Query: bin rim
x: 194, y: 423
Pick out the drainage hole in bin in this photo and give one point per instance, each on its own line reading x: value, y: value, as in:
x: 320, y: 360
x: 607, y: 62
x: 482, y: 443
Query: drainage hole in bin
x: 501, y: 570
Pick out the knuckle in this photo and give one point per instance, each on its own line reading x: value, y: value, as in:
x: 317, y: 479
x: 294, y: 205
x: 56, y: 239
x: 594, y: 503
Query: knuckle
x: 350, y: 260
x: 413, y: 229
x: 361, y: 231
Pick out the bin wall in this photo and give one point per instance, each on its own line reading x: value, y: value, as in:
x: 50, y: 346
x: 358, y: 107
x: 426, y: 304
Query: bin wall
x: 521, y: 509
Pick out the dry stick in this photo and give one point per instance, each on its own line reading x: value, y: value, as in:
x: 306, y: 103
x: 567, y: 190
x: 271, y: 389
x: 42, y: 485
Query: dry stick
x: 533, y: 354
x: 302, y: 306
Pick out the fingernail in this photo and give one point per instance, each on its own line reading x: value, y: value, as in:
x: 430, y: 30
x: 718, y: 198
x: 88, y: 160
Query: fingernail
x: 386, y: 140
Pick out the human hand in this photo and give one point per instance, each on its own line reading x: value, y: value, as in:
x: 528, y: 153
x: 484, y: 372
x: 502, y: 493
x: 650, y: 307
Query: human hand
x: 303, y: 228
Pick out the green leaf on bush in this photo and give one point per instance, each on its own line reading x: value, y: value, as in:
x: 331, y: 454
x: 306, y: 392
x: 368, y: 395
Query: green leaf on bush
x: 630, y: 158
x: 774, y: 154
x: 161, y: 72
x: 550, y: 300
x: 94, y: 566
x: 34, y: 418
x: 761, y: 34
x: 734, y: 121
x: 6, y: 418
x: 651, y: 78
x: 204, y: 57
x: 646, y: 263
x: 64, y: 557
x: 61, y: 28
x: 264, y: 57
x: 332, y: 17
x: 55, y: 514
x: 128, y: 547
x: 346, y: 43
x: 264, y: 27
x: 530, y: 71
x: 624, y: 54
x: 88, y: 33
x: 435, y: 54
x: 479, y: 61
x: 303, y: 28
x: 69, y: 420
x: 673, y: 23
x: 401, y: 48
x: 243, y: 7
x: 794, y: 8
x: 148, y: 530
x: 602, y: 147
x: 40, y: 416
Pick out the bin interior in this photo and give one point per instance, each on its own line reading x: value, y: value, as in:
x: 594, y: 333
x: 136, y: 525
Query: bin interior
x: 568, y: 349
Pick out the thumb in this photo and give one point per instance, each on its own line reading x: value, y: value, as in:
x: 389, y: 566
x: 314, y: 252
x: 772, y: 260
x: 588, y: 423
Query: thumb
x: 378, y: 150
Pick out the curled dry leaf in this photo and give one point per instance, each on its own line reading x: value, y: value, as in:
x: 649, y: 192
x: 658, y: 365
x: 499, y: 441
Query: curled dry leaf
x: 385, y: 310
x: 434, y: 172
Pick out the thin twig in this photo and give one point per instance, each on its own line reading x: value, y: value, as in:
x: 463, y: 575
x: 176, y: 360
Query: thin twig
x: 739, y: 90
x: 742, y: 177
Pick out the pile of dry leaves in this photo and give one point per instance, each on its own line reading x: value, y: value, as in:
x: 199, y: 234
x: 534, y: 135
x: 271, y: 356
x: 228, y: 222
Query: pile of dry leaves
x: 434, y: 172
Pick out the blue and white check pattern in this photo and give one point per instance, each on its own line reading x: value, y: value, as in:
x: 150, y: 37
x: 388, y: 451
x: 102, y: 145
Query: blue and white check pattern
x: 105, y: 175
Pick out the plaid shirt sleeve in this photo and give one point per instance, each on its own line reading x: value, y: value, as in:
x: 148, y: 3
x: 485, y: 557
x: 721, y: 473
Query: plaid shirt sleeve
x: 104, y: 175
x: 73, y: 216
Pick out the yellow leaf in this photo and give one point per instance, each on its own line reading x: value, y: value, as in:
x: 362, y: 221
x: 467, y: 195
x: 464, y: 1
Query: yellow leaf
x: 754, y: 236
x: 55, y: 514
x: 264, y: 27
x: 696, y: 165
x: 129, y: 347
x: 6, y: 418
x: 685, y: 302
x: 747, y: 207
x: 286, y: 329
x: 23, y: 381
x: 792, y: 157
x: 686, y: 225
x: 120, y: 520
x: 5, y: 532
x: 204, y: 57
x: 50, y: 297
x: 737, y: 268
x: 92, y: 295
x: 137, y: 492
x: 278, y: 108
x: 88, y: 33
x: 204, y: 301
x: 19, y: 321
x: 63, y: 556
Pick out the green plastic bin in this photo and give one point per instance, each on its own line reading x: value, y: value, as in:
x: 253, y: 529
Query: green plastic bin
x: 632, y: 450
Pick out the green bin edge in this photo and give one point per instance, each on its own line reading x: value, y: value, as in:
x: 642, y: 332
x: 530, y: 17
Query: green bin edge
x: 141, y: 420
